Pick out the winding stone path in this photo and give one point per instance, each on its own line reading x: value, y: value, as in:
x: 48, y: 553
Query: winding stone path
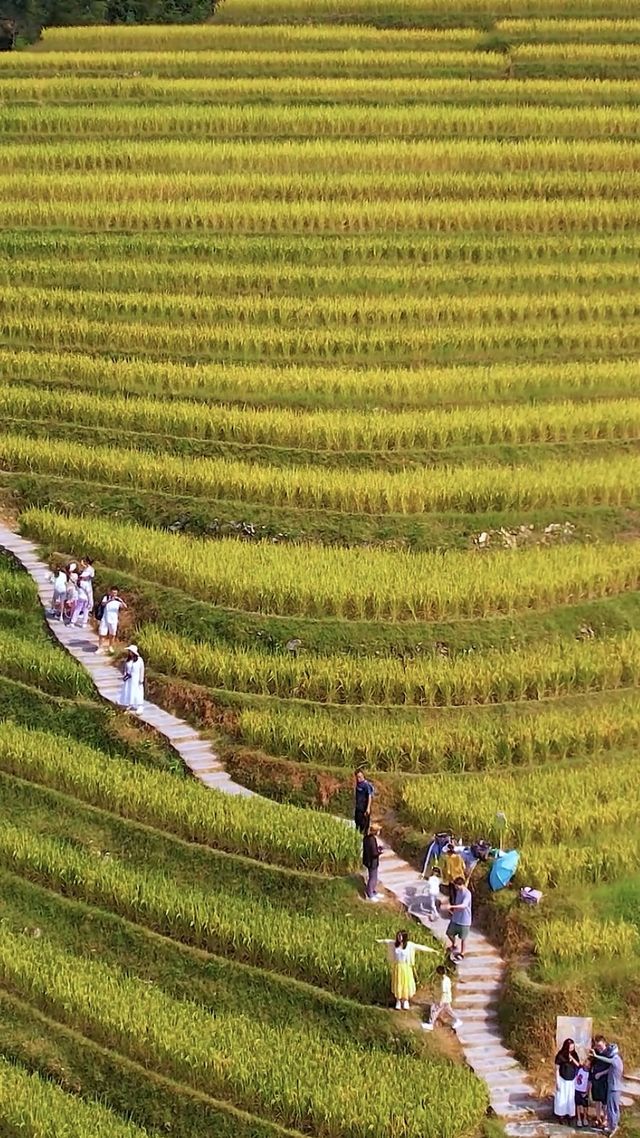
x: 480, y: 975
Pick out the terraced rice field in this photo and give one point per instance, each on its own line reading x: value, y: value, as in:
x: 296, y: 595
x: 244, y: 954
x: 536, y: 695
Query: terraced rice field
x: 321, y: 322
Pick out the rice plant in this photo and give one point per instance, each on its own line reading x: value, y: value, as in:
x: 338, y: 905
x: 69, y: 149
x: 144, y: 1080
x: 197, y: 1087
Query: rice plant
x: 539, y: 672
x: 359, y: 583
x: 326, y: 949
x: 37, y: 1108
x: 280, y: 834
x: 294, y: 1077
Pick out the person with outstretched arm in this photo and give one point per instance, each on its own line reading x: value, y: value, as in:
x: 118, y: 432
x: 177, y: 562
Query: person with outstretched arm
x: 613, y: 1059
x: 402, y: 954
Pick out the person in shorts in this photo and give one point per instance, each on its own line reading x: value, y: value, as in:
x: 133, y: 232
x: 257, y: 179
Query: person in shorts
x: 111, y: 605
x: 460, y: 923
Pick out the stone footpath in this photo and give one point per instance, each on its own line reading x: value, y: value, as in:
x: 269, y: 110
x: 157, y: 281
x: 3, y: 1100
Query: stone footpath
x: 480, y: 975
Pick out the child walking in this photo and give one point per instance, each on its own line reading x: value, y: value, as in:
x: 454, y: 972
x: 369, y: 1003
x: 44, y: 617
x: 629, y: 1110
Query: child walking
x: 402, y: 954
x: 432, y: 899
x: 444, y: 1007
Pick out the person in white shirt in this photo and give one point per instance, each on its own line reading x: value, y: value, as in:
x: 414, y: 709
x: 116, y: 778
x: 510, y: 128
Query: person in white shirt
x: 85, y: 580
x: 444, y: 1006
x: 71, y: 597
x: 402, y: 955
x: 432, y: 898
x: 108, y: 628
x: 81, y: 608
x: 59, y: 582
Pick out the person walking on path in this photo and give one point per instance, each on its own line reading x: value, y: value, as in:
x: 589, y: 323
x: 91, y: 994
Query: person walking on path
x: 85, y: 581
x: 132, y: 694
x: 371, y: 860
x: 71, y: 595
x: 598, y: 1079
x: 613, y: 1060
x: 111, y: 604
x: 460, y: 923
x: 444, y: 1007
x: 402, y: 954
x: 452, y: 867
x: 59, y: 582
x: 432, y: 898
x: 567, y: 1064
x: 83, y: 605
x: 364, y: 792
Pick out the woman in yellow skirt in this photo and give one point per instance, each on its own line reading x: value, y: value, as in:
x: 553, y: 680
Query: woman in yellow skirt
x: 402, y: 954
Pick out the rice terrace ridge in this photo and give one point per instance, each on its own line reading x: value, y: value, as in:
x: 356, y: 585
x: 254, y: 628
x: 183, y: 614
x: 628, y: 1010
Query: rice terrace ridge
x: 319, y: 345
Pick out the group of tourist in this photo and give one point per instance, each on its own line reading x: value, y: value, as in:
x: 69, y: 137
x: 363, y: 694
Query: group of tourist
x: 73, y: 603
x: 452, y: 876
x: 588, y: 1091
x: 402, y: 951
x: 72, y: 600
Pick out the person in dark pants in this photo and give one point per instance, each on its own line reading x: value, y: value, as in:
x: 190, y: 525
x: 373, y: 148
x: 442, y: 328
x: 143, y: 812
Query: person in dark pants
x: 371, y: 860
x: 598, y: 1079
x: 612, y: 1059
x: 364, y: 793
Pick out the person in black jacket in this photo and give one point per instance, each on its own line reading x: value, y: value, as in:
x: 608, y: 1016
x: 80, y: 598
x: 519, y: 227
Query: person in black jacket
x: 371, y: 860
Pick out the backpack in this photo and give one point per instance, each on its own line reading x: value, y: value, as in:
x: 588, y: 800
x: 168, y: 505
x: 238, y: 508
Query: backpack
x: 98, y: 610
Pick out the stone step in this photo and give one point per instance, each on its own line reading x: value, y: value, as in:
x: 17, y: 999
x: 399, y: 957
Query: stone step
x: 465, y: 986
x: 483, y: 1061
x: 484, y: 1021
x: 475, y: 999
x: 535, y: 1129
x: 489, y: 1055
x: 206, y: 763
x: 510, y: 1083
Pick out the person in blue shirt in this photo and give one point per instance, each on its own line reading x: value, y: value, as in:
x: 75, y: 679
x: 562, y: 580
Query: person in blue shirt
x: 364, y: 793
x: 459, y: 925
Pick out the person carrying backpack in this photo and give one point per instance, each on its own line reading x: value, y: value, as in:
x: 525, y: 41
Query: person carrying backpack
x: 109, y: 610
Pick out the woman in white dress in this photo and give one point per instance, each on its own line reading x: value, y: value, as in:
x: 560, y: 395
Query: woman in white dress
x: 567, y: 1064
x: 108, y: 627
x: 132, y: 694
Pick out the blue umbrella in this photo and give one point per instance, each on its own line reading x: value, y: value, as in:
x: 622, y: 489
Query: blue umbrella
x: 503, y: 870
